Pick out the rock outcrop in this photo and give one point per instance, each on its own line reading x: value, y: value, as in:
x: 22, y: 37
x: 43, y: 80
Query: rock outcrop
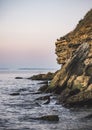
x: 73, y: 82
x: 48, y: 76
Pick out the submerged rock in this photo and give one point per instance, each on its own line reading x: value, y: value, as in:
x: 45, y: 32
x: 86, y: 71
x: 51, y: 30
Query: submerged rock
x: 50, y: 118
x: 43, y: 97
x: 46, y: 99
x: 38, y: 92
x: 22, y: 89
x: 15, y: 94
x: 47, y: 118
x: 18, y: 77
x: 88, y: 117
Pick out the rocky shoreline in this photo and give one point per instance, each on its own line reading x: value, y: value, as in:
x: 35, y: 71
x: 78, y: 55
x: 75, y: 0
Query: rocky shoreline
x: 73, y: 82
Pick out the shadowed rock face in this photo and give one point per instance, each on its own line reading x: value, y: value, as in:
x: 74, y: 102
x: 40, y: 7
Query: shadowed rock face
x: 74, y: 51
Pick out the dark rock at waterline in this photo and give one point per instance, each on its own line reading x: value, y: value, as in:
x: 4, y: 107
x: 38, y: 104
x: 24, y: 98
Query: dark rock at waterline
x: 37, y: 104
x: 35, y: 92
x: 67, y: 93
x: 43, y: 88
x: 88, y: 116
x: 43, y: 97
x: 46, y: 99
x: 50, y: 118
x: 18, y: 77
x: 15, y: 94
x: 47, y: 118
x: 46, y: 89
x: 22, y: 89
x: 48, y: 76
x: 81, y: 99
x: 45, y: 82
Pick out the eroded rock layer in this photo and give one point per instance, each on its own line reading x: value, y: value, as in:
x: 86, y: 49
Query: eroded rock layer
x: 74, y: 51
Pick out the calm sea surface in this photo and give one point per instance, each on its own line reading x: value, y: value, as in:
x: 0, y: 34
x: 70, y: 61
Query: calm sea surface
x: 16, y: 111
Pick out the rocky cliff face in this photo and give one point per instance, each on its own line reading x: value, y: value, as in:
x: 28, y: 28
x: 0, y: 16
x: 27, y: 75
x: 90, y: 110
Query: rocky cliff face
x: 74, y: 51
x: 67, y: 45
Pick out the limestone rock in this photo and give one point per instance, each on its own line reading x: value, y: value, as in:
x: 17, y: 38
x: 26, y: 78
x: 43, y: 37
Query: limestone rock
x: 67, y: 45
x: 73, y: 82
x: 89, y: 87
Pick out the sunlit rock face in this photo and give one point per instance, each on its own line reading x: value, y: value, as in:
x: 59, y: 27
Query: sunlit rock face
x: 74, y: 52
x: 67, y: 45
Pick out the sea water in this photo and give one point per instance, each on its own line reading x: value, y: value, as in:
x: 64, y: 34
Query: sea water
x: 16, y: 112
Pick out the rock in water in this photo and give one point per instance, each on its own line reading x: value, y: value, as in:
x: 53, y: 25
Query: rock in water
x: 47, y: 118
x: 74, y: 51
x: 45, y: 82
x: 18, y: 77
x: 50, y: 118
x: 15, y: 94
x: 88, y: 117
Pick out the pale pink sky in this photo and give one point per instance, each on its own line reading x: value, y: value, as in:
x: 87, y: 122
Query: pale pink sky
x: 29, y: 29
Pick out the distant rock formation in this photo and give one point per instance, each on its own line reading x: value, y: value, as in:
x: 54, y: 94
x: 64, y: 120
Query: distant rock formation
x: 74, y: 51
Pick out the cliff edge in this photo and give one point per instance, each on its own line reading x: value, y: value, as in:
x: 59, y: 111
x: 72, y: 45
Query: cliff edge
x: 73, y: 82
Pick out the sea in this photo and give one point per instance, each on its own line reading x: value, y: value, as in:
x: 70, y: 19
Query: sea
x: 17, y: 112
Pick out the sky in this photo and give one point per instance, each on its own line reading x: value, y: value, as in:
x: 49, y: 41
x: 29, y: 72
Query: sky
x: 29, y: 29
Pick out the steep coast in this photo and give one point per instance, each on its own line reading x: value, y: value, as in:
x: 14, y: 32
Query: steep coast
x: 73, y: 82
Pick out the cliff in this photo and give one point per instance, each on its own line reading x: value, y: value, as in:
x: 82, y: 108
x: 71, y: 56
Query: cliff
x: 67, y: 45
x: 73, y: 82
